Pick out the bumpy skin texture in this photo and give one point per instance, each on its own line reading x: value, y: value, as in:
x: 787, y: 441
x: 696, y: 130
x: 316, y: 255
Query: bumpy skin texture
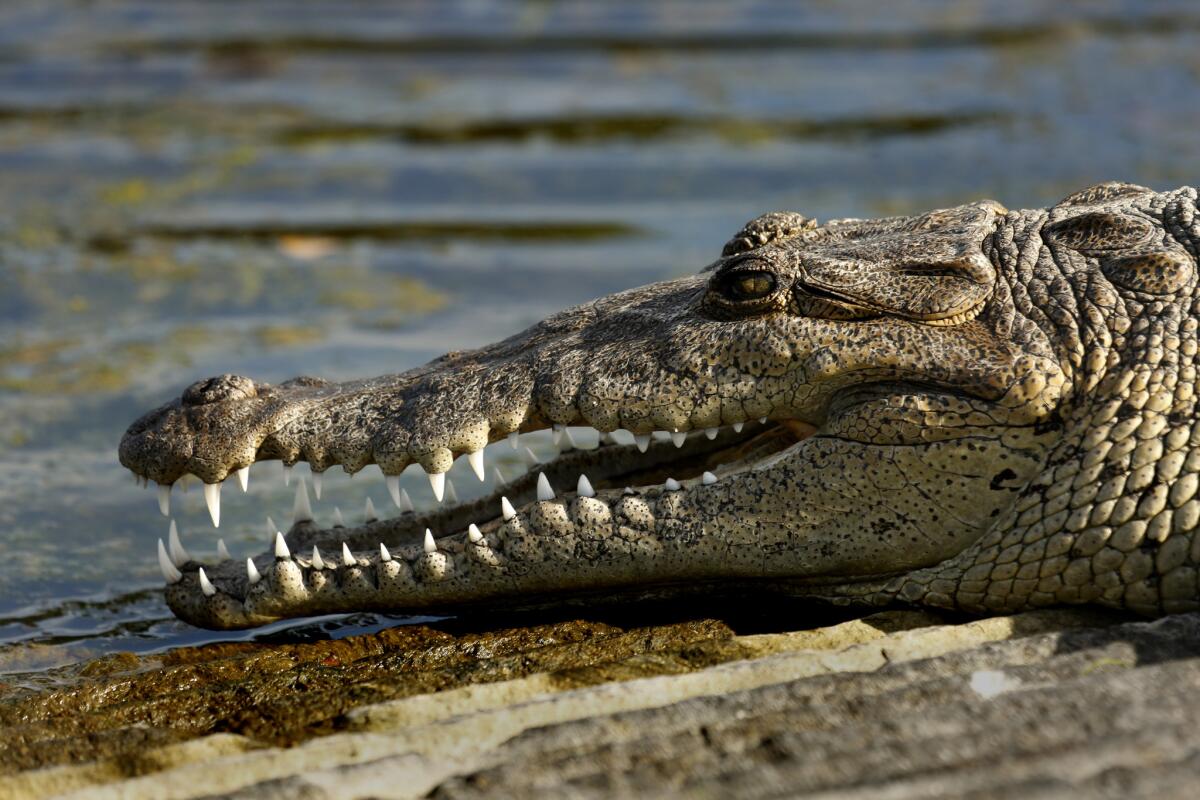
x: 1004, y: 404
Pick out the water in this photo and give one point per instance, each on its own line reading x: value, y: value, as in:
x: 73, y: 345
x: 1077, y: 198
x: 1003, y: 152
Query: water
x: 288, y: 187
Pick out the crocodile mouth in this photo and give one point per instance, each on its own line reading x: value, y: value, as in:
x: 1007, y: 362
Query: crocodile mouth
x: 588, y: 462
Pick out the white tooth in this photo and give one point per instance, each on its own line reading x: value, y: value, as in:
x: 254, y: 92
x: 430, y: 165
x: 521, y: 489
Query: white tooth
x: 271, y: 528
x: 392, y: 482
x: 430, y: 544
x: 301, y: 509
x: 497, y: 476
x: 384, y: 555
x: 281, y: 548
x: 476, y: 461
x: 584, y: 489
x: 338, y: 522
x: 222, y: 550
x: 711, y: 433
x: 406, y: 503
x: 737, y: 427
x: 708, y: 479
x: 205, y: 585
x: 762, y: 420
x: 164, y: 499
x: 169, y: 572
x: 179, y: 556
x: 437, y: 480
x: 243, y: 476
x: 544, y: 492
x: 252, y: 574
x: 451, y: 495
x: 671, y: 485
x: 530, y: 458
x: 569, y: 439
x: 317, y: 561
x: 318, y: 479
x: 287, y: 474
x: 642, y: 440
x: 369, y: 514
x: 473, y: 533
x: 506, y: 509
x: 514, y: 440
x: 348, y: 559
x: 678, y: 438
x: 557, y: 435
x: 212, y: 499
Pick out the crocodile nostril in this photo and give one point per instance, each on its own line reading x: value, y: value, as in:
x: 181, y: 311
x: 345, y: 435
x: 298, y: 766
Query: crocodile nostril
x: 218, y: 389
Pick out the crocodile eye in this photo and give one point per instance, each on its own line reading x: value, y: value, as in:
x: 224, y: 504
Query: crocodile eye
x: 742, y: 286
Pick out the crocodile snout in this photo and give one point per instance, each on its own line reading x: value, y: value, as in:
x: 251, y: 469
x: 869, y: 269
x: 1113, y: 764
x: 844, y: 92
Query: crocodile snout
x: 219, y: 389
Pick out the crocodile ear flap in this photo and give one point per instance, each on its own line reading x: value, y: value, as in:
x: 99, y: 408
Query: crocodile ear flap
x: 1157, y: 272
x: 1127, y: 250
x: 766, y: 229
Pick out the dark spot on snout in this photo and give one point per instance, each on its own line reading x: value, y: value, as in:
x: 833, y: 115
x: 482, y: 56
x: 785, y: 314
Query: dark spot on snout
x: 219, y: 389
x: 1000, y: 477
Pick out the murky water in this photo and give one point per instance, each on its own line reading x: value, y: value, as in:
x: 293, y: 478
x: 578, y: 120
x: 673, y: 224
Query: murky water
x: 290, y: 187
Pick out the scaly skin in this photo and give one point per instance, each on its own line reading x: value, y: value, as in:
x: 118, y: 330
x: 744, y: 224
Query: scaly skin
x: 1004, y: 406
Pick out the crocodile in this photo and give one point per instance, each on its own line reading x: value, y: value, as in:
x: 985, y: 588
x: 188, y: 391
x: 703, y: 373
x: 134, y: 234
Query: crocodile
x: 972, y: 408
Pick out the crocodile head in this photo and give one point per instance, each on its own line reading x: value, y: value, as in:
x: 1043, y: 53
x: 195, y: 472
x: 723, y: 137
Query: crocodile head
x: 858, y: 411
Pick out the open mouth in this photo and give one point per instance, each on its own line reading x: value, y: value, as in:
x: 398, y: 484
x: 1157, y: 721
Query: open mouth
x: 324, y: 564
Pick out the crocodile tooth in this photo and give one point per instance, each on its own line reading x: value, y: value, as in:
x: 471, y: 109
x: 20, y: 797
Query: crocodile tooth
x: 737, y: 427
x: 473, y: 533
x: 169, y: 572
x: 392, y: 482
x: 678, y: 438
x: 179, y: 556
x: 671, y: 485
x: 281, y: 548
x: 384, y: 555
x: 205, y: 585
x: 369, y: 514
x: 514, y: 440
x: 451, y: 494
x: 530, y: 458
x: 348, y: 557
x: 318, y: 478
x: 569, y: 440
x: 287, y: 474
x: 243, y: 476
x: 338, y: 522
x: 642, y: 440
x: 271, y: 528
x: 476, y: 461
x: 406, y: 503
x: 762, y: 420
x: 430, y: 544
x: 301, y: 509
x: 497, y: 476
x: 222, y: 550
x: 557, y: 434
x: 506, y: 509
x: 437, y: 481
x: 708, y: 479
x: 317, y: 561
x: 212, y: 499
x: 584, y: 488
x: 164, y: 499
x: 544, y: 492
x: 252, y: 573
x: 711, y: 433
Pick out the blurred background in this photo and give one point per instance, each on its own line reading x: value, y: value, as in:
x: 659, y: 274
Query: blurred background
x: 346, y: 188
